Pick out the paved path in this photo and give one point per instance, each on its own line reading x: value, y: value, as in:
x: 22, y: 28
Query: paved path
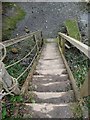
x: 51, y: 87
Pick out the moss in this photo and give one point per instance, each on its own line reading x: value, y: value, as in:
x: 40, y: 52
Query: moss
x: 9, y: 23
x: 77, y: 111
x: 73, y: 29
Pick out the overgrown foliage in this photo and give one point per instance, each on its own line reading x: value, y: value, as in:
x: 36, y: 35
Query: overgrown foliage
x: 79, y: 65
x: 9, y: 21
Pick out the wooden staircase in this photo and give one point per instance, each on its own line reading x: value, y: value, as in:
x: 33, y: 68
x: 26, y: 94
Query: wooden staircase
x: 51, y: 87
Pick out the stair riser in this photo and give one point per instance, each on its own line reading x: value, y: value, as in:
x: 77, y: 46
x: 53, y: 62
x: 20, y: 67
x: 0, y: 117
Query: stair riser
x: 52, y: 78
x: 54, y: 98
x: 60, y: 87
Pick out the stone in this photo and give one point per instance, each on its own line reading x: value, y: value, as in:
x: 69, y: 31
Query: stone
x: 14, y: 50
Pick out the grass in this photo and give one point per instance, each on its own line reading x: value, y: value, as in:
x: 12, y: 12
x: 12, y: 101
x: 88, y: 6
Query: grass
x: 73, y: 29
x: 9, y: 23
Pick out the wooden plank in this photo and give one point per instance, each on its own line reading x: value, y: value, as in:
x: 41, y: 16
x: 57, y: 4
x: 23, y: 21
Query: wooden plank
x: 75, y: 88
x: 35, y: 39
x: 82, y: 47
x: 85, y: 89
x: 63, y: 45
x: 42, y: 41
x: 59, y: 41
x: 67, y: 46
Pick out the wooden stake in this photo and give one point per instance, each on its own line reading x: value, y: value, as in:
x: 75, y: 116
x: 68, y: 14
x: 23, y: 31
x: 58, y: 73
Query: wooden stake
x: 85, y: 89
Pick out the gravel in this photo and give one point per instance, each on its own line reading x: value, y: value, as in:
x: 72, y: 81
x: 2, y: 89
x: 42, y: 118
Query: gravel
x: 50, y: 17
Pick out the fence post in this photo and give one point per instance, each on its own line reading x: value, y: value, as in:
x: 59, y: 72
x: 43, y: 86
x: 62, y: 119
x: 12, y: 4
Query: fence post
x: 42, y: 41
x: 63, y: 45
x: 85, y: 89
x: 34, y: 37
x: 59, y: 41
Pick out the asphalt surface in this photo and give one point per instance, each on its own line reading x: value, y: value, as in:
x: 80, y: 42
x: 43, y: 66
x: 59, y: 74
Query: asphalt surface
x: 48, y: 16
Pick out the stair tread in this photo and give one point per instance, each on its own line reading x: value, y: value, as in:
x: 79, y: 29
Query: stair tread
x: 52, y: 86
x: 51, y: 62
x: 48, y: 110
x: 53, y: 97
x: 52, y: 72
x: 52, y: 66
x: 50, y: 78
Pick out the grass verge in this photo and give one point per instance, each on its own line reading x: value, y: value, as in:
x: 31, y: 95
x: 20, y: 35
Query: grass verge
x: 9, y: 22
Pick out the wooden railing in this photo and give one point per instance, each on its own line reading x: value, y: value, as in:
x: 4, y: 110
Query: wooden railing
x: 38, y: 39
x: 84, y: 91
x: 21, y: 38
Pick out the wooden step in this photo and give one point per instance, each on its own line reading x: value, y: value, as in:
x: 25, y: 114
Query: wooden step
x: 53, y: 97
x: 50, y: 67
x: 49, y: 78
x: 51, y: 86
x: 50, y: 62
x: 46, y: 110
x: 52, y: 72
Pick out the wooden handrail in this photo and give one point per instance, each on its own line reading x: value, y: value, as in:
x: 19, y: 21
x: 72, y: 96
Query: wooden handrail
x: 19, y: 39
x: 79, y: 45
x: 83, y: 48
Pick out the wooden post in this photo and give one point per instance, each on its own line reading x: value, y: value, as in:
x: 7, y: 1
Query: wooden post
x: 34, y: 37
x: 42, y: 41
x: 85, y: 89
x: 59, y: 42
x: 63, y: 45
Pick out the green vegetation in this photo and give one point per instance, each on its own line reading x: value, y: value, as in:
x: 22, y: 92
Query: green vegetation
x: 16, y: 70
x: 77, y: 110
x: 9, y: 22
x: 78, y: 64
x: 73, y: 29
x: 77, y: 61
x: 8, y: 107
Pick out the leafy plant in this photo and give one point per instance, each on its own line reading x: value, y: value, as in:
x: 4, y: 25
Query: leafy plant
x: 16, y: 99
x: 4, y: 111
